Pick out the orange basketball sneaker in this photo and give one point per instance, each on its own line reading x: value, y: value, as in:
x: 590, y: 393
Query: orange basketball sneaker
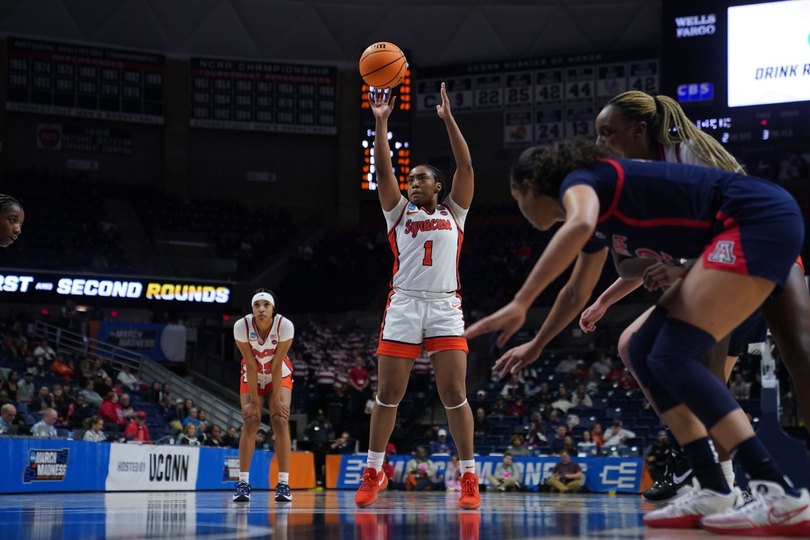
x: 373, y: 483
x: 470, y: 498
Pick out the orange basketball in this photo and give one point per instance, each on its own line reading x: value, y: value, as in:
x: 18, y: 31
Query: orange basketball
x: 383, y: 65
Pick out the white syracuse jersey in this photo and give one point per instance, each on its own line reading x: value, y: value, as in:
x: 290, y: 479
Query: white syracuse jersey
x: 682, y: 153
x: 426, y: 247
x: 264, y: 347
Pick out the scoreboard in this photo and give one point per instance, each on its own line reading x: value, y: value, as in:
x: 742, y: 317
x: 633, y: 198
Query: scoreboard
x: 541, y: 99
x: 263, y: 96
x: 76, y: 80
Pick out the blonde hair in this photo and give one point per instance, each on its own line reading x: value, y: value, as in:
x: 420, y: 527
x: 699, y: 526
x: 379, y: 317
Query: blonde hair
x: 667, y: 124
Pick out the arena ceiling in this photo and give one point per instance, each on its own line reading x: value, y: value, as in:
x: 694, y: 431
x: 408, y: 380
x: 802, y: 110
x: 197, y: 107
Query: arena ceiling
x: 435, y: 32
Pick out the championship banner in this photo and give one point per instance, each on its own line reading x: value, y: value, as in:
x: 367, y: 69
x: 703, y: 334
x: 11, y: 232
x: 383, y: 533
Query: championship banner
x: 90, y: 82
x: 622, y: 475
x: 136, y: 467
x: 263, y: 96
x: 157, y: 341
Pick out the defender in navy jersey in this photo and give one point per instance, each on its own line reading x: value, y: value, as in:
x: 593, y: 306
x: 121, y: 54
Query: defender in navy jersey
x: 746, y: 234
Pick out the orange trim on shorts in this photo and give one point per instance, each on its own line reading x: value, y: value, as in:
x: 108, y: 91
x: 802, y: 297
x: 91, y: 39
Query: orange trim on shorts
x: 446, y: 344
x: 800, y: 263
x: 400, y: 350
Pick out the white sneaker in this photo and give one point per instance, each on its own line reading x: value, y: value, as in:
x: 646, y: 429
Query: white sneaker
x: 771, y: 512
x: 686, y: 511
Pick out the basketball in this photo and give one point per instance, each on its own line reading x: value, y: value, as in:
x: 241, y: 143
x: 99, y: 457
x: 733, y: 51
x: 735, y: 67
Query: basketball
x: 383, y: 65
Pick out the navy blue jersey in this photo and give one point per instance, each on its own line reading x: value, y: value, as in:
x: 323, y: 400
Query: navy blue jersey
x: 670, y: 210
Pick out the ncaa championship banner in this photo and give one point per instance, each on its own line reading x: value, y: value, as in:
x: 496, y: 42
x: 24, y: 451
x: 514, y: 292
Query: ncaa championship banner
x: 622, y: 475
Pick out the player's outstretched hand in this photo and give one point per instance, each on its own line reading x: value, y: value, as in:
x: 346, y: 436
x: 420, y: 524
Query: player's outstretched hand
x: 517, y: 358
x: 443, y: 109
x: 382, y: 102
x: 508, y: 319
x: 661, y: 275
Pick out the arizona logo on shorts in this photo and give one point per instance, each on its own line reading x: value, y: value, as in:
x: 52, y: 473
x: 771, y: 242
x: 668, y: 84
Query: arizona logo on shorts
x: 723, y: 253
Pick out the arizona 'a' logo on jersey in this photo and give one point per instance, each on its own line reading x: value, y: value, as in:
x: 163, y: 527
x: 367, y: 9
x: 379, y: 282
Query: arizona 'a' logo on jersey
x: 723, y: 253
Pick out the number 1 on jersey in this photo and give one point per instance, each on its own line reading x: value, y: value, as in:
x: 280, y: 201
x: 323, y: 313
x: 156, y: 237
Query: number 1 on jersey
x: 428, y: 260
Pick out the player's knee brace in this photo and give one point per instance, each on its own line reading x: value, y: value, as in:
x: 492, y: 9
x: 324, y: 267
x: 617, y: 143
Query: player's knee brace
x: 676, y: 361
x: 460, y: 405
x: 381, y: 404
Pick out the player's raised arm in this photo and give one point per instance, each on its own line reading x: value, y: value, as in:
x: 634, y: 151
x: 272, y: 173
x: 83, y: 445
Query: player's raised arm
x: 463, y: 179
x: 382, y: 105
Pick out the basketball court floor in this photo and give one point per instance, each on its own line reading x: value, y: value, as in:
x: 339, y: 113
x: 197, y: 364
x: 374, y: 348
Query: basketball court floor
x: 326, y: 515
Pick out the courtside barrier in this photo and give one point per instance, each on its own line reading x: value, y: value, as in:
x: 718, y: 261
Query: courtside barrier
x: 603, y: 475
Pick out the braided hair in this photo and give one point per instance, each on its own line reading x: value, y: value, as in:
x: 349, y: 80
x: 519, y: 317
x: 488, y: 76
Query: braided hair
x: 667, y: 124
x: 7, y: 201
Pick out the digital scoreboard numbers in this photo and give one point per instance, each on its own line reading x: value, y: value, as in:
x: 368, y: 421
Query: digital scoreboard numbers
x: 399, y: 125
x: 263, y: 96
x: 90, y: 82
x: 544, y: 99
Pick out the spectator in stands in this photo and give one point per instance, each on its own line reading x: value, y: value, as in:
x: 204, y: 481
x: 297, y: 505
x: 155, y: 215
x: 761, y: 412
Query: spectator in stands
x: 102, y: 386
x: 481, y: 401
x: 627, y: 381
x: 231, y: 438
x: 518, y: 409
x: 98, y: 370
x: 562, y: 400
x: 16, y: 348
x: 192, y: 418
x: 188, y: 436
x: 740, y: 389
x: 112, y: 414
x: 126, y: 407
x: 175, y: 419
x: 325, y: 376
x: 25, y: 389
x: 95, y: 433
x: 43, y: 400
x: 452, y: 474
x: 512, y: 389
x: 10, y: 385
x: 568, y: 445
x: 154, y: 393
x: 516, y: 446
x: 45, y: 427
x: 60, y: 401
x: 165, y: 390
x: 558, y: 442
x: 213, y: 437
x: 345, y: 444
x: 617, y: 434
x: 507, y: 475
x: 442, y: 444
x: 419, y: 471
x: 30, y: 365
x: 530, y: 387
x: 7, y: 414
x: 587, y: 447
x: 359, y: 379
x: 202, y: 416
x: 92, y: 397
x: 63, y: 368
x: 567, y: 476
x: 544, y: 395
x: 498, y: 407
x: 127, y: 379
x: 556, y: 420
x: 616, y: 372
x: 481, y: 424
x: 535, y: 436
x: 581, y: 397
x: 657, y: 456
x: 263, y: 442
x: 78, y: 412
x: 320, y: 434
x: 422, y: 373
x: 597, y: 435
x: 567, y: 364
x: 389, y: 472
x: 44, y: 351
x: 137, y: 431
